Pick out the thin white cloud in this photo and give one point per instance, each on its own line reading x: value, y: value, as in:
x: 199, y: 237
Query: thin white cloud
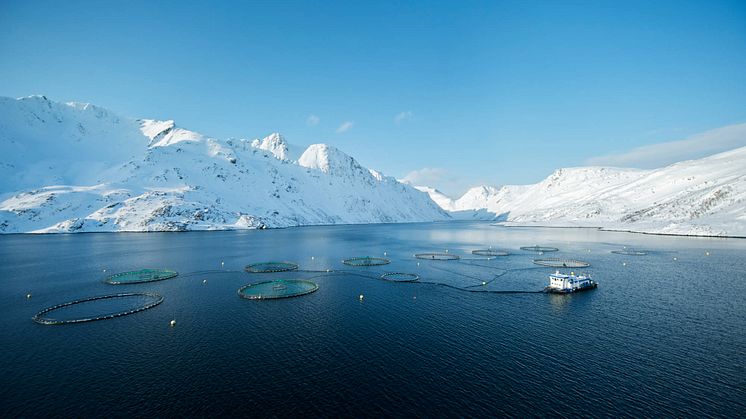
x: 425, y: 176
x: 440, y: 179
x: 345, y: 127
x: 312, y: 120
x: 663, y: 154
x: 403, y: 116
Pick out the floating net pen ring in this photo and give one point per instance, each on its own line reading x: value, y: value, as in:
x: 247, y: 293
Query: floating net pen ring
x: 630, y: 252
x: 268, y: 267
x: 400, y: 277
x: 366, y: 261
x: 41, y: 317
x: 140, y: 276
x: 489, y: 252
x: 542, y: 249
x: 437, y: 256
x: 273, y: 290
x: 561, y: 263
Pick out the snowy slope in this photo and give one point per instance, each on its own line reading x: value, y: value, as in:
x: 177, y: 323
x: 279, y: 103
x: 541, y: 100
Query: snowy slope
x: 76, y: 167
x: 698, y: 197
x: 439, y: 197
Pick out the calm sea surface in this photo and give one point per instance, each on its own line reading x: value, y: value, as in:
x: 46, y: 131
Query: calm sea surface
x: 663, y: 335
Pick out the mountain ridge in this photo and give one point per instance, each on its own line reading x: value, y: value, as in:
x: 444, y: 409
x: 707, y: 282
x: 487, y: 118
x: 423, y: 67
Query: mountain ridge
x: 704, y: 197
x: 70, y: 167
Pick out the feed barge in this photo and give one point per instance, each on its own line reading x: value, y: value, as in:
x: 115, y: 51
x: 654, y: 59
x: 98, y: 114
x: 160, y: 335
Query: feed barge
x: 560, y: 283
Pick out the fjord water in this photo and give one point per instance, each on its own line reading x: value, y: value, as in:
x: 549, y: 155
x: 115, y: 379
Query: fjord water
x: 663, y: 335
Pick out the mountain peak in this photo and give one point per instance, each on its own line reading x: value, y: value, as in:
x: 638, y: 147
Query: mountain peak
x: 274, y: 143
x: 327, y: 159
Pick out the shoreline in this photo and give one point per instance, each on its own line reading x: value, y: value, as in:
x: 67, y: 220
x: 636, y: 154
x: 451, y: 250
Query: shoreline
x: 492, y: 223
x: 617, y: 230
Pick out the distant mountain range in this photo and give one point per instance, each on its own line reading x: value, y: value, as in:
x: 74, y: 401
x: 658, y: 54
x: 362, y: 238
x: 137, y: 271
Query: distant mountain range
x: 696, y: 197
x: 72, y: 167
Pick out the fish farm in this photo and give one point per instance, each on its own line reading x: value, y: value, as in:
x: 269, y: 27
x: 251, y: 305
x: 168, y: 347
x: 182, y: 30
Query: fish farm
x: 472, y: 276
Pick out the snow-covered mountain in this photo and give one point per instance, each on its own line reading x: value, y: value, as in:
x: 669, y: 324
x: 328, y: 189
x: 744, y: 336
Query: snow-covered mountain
x: 77, y: 167
x: 697, y: 197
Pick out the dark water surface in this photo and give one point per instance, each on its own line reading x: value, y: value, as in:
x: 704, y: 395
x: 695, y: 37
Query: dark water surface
x: 663, y: 335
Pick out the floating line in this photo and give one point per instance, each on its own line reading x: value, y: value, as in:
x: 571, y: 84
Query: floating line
x: 470, y: 288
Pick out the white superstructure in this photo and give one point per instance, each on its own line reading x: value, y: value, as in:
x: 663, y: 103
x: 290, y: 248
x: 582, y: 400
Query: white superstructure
x: 559, y: 282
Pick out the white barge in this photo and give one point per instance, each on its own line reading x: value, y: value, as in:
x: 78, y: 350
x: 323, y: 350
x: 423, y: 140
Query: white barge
x: 564, y: 284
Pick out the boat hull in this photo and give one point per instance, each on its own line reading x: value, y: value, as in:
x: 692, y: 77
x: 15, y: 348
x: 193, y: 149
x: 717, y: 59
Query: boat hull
x: 570, y: 291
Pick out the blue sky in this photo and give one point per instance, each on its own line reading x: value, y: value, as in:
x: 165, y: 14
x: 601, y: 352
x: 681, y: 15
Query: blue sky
x: 451, y: 93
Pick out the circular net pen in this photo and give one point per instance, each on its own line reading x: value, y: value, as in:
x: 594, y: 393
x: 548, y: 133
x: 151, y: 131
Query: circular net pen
x: 630, y: 252
x: 561, y: 263
x: 437, y: 256
x: 150, y: 300
x: 366, y: 261
x: 269, y: 267
x: 540, y: 249
x: 138, y: 277
x: 400, y: 277
x: 489, y: 252
x: 281, y: 288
